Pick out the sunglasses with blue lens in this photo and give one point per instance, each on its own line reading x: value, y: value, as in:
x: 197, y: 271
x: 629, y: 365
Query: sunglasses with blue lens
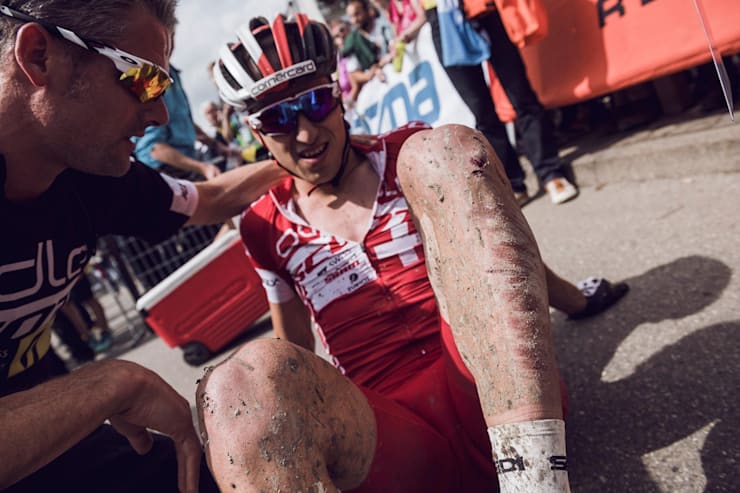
x: 281, y: 118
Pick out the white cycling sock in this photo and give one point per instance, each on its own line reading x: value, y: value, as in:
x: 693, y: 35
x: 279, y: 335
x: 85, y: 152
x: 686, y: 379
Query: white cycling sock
x: 530, y: 456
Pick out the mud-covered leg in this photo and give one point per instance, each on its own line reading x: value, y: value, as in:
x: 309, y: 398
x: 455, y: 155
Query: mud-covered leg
x: 491, y: 285
x: 275, y: 417
x: 485, y: 265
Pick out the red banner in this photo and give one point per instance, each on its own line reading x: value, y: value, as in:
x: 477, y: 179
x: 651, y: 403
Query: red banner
x: 594, y: 47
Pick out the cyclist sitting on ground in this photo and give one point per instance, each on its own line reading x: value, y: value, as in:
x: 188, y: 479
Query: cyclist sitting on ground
x: 435, y: 365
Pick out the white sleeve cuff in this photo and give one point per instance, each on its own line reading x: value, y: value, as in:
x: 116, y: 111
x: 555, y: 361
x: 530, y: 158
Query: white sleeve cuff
x: 184, y: 195
x: 277, y: 290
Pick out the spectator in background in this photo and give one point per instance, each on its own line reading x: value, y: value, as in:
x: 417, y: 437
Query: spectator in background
x: 83, y: 335
x: 237, y: 133
x: 372, y: 24
x: 234, y: 153
x: 534, y: 128
x: 406, y: 16
x: 170, y: 148
x: 345, y: 63
x: 74, y: 335
x: 91, y: 314
x: 214, y: 116
x: 369, y: 42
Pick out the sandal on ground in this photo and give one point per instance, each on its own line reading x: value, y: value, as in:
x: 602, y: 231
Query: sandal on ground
x: 600, y: 294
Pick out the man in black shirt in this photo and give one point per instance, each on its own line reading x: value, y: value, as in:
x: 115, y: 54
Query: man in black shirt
x: 78, y: 79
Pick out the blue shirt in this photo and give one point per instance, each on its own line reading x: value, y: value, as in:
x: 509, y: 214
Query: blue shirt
x: 179, y: 131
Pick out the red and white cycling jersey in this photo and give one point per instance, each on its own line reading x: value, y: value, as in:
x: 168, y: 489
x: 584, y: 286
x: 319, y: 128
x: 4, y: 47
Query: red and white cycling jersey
x: 372, y: 301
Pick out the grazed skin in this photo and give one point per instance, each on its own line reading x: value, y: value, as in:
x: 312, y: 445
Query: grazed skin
x: 485, y: 269
x: 278, y: 418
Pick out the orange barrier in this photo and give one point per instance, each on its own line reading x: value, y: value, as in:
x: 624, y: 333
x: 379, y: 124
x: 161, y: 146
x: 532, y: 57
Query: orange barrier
x: 594, y: 47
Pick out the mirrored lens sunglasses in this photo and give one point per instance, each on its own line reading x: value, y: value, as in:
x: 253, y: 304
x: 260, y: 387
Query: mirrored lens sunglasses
x: 145, y: 79
x: 281, y: 118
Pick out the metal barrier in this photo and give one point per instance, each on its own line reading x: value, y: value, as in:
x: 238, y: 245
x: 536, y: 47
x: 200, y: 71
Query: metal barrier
x: 125, y: 268
x: 149, y: 263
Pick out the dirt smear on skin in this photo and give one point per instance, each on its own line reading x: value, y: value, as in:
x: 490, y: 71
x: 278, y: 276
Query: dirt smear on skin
x: 482, y: 254
x: 287, y: 429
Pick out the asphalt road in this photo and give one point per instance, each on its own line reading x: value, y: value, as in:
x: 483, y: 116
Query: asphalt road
x: 654, y: 382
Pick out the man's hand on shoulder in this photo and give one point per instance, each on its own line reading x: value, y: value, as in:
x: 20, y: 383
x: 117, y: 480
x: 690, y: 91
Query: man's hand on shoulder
x: 229, y: 193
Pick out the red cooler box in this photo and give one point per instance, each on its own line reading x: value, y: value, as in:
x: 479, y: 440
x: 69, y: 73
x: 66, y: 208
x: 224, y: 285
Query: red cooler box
x: 207, y: 302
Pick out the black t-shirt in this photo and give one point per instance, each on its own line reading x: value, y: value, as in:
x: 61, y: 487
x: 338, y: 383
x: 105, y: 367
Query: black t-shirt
x: 45, y: 245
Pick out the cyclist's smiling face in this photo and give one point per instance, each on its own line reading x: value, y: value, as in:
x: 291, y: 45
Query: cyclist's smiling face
x: 313, y: 151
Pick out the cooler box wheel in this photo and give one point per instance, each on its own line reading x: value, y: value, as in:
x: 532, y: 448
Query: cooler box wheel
x: 195, y: 353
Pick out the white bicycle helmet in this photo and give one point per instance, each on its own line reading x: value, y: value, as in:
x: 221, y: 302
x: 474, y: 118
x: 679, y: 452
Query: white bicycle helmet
x: 267, y: 57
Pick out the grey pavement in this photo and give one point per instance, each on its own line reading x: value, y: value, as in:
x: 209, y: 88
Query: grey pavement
x: 668, y: 148
x: 653, y: 382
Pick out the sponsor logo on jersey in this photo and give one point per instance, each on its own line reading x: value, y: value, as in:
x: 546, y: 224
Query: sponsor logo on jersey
x: 40, y: 285
x: 322, y: 276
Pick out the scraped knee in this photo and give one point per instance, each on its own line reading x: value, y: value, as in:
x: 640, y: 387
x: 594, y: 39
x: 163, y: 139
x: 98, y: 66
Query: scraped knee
x: 276, y: 405
x: 454, y: 171
x: 247, y: 387
x: 451, y: 154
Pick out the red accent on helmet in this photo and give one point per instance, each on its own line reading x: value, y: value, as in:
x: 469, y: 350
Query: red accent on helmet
x: 281, y: 42
x: 278, y: 47
x: 302, y: 20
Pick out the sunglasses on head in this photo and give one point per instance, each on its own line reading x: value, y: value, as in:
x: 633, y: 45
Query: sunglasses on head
x: 281, y: 118
x: 145, y: 79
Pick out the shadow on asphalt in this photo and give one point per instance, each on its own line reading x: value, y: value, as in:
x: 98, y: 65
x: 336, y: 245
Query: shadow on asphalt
x: 683, y: 388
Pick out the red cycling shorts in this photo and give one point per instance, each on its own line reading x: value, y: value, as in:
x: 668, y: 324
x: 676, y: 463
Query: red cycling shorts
x: 431, y: 433
x: 432, y: 436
